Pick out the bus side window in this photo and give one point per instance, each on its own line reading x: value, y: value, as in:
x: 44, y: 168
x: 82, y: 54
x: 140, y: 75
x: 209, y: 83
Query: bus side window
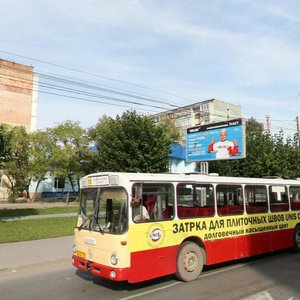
x: 195, y: 200
x: 295, y: 199
x: 278, y: 198
x: 229, y: 200
x: 158, y: 198
x: 273, y: 197
x: 256, y: 199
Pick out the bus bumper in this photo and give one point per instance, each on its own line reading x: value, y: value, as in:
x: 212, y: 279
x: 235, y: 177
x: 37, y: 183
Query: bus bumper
x: 100, y: 270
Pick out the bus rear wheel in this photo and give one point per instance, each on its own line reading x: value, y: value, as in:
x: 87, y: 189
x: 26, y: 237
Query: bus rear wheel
x: 189, y: 262
x: 297, y: 239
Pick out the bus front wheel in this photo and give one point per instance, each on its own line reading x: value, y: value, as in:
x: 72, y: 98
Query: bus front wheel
x: 189, y: 262
x: 297, y: 239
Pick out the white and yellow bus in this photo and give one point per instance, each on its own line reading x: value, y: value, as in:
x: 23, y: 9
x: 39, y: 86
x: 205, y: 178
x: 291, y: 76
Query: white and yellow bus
x: 191, y: 221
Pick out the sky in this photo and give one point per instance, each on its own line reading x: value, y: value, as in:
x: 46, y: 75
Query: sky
x: 97, y: 57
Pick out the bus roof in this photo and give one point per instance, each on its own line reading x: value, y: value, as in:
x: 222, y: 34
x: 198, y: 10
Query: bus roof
x: 194, y: 177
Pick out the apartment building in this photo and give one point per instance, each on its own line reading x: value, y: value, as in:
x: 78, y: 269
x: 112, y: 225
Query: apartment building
x: 18, y: 95
x: 200, y: 113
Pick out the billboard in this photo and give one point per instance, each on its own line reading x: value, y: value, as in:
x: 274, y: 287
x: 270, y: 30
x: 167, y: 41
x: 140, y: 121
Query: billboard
x: 224, y: 140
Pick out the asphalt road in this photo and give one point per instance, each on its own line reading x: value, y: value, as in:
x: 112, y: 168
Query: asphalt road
x: 268, y: 277
x: 42, y: 270
x: 15, y: 256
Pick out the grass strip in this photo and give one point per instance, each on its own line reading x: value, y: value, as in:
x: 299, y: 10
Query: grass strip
x: 36, y: 229
x: 20, y: 212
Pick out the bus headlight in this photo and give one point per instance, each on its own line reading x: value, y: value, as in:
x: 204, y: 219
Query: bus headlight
x: 114, y: 259
x: 74, y: 248
x: 113, y: 274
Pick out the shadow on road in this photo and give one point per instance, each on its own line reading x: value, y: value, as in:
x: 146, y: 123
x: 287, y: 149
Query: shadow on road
x: 123, y: 285
x: 257, y: 262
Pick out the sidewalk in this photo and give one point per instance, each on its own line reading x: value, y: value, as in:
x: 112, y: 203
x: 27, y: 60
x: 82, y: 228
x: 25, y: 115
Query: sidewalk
x: 22, y: 254
x: 25, y: 254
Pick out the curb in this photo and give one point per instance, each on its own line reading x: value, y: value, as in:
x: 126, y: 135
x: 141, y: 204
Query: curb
x: 35, y: 253
x: 34, y: 267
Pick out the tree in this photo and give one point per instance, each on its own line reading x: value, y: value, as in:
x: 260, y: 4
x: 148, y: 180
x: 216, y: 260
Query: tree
x: 286, y: 152
x: 40, y: 147
x: 170, y: 129
x: 131, y: 143
x: 259, y: 150
x: 16, y: 162
x: 294, y: 160
x: 70, y: 147
x: 4, y: 144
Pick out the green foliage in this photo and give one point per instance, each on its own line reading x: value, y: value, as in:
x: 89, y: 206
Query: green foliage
x: 70, y: 147
x: 169, y: 128
x: 40, y: 147
x: 40, y: 153
x: 131, y: 143
x: 17, y: 160
x: 25, y: 157
x: 5, y: 149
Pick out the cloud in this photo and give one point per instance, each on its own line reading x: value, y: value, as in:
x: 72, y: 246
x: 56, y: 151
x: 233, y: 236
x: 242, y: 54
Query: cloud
x: 247, y: 50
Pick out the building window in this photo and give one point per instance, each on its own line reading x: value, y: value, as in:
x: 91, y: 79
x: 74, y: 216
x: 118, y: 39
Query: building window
x: 206, y: 118
x: 204, y: 107
x: 59, y: 183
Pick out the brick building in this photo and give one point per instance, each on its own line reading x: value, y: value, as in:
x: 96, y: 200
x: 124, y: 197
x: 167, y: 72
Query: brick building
x: 18, y: 95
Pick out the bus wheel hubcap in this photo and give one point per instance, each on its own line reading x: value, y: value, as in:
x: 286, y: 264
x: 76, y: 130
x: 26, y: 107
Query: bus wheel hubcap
x: 191, y: 262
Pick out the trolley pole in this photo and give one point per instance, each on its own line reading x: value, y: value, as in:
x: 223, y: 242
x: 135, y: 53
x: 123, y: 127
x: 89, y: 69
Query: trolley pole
x: 204, y: 167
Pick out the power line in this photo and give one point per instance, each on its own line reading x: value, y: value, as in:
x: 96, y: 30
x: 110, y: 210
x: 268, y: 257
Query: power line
x: 95, y: 75
x: 84, y: 99
x: 85, y: 85
x: 88, y: 86
x: 62, y: 89
x: 110, y: 91
x: 108, y: 88
x: 81, y: 92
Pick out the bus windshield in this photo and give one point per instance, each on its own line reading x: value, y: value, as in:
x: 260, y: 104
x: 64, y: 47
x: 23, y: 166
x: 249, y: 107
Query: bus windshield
x: 103, y: 210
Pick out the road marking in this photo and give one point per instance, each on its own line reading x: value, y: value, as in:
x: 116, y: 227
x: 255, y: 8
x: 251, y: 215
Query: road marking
x: 152, y: 291
x: 265, y: 295
x: 210, y: 273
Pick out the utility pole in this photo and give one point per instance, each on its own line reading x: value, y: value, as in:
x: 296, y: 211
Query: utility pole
x: 298, y: 126
x: 298, y: 117
x: 268, y: 124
